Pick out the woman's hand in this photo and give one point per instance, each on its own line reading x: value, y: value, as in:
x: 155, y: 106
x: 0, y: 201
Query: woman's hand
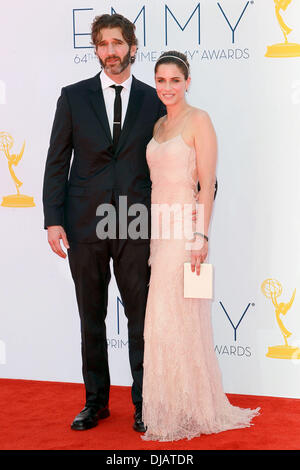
x: 199, y: 253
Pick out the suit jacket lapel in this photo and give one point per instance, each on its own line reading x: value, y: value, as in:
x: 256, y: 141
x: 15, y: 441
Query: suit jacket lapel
x: 133, y: 109
x: 97, y: 102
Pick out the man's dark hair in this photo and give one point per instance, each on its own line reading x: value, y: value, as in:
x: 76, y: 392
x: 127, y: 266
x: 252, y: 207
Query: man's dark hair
x: 114, y: 21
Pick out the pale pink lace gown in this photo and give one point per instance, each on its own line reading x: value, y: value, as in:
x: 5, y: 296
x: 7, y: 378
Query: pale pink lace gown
x: 183, y: 395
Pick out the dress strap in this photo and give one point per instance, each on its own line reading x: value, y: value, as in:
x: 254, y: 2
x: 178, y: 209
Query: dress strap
x: 183, y: 127
x: 158, y: 128
x: 185, y: 119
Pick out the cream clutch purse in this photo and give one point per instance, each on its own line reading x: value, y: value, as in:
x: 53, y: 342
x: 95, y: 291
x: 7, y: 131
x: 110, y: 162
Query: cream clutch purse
x: 198, y: 287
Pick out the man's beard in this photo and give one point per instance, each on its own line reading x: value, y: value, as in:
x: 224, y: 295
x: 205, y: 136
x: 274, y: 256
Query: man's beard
x: 118, y: 67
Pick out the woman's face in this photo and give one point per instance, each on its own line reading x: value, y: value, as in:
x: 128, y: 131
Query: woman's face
x: 171, y: 84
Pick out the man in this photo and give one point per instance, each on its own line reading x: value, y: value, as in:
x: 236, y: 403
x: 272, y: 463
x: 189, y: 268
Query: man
x: 107, y: 130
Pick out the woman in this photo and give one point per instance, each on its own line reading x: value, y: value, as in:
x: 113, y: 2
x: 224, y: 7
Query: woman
x: 182, y: 387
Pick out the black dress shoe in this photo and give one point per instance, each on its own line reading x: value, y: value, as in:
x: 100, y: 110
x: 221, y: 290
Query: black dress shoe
x: 138, y: 424
x: 88, y: 418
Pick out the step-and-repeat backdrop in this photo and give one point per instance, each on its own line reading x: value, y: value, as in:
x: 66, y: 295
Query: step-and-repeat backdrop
x: 245, y: 68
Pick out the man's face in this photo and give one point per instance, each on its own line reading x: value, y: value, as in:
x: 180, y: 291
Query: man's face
x: 113, y: 51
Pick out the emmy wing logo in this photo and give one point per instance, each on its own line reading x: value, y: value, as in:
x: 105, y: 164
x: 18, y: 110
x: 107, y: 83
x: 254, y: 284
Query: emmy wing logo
x: 272, y: 289
x: 18, y: 199
x: 286, y: 48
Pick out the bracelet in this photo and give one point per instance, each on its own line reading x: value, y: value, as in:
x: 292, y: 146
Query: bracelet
x: 202, y: 235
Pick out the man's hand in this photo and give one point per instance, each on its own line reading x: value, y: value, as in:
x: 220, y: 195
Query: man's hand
x: 55, y: 234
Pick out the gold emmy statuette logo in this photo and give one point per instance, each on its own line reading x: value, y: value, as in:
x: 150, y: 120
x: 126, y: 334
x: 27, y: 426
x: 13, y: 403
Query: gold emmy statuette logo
x: 14, y: 200
x: 285, y: 49
x: 273, y: 289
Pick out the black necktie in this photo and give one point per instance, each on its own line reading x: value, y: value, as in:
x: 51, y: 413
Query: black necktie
x: 117, y: 115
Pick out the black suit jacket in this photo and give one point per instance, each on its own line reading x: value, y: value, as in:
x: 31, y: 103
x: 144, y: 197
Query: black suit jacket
x: 72, y: 191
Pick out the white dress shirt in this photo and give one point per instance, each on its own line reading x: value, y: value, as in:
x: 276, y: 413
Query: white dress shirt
x: 109, y: 97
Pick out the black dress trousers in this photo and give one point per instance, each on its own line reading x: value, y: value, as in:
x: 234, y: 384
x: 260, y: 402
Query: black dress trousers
x: 90, y: 268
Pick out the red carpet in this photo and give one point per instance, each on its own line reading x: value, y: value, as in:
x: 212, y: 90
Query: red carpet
x: 37, y: 416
